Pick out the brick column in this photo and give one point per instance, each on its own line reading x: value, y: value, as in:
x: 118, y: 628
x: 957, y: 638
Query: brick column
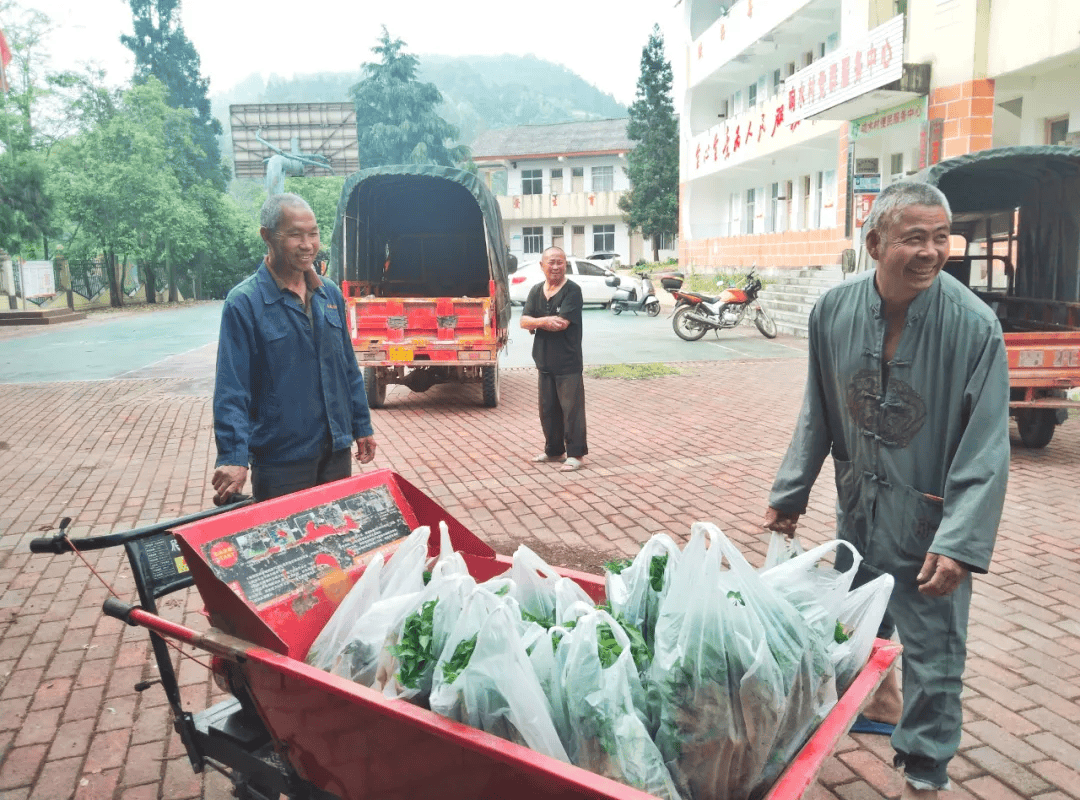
x: 968, y: 111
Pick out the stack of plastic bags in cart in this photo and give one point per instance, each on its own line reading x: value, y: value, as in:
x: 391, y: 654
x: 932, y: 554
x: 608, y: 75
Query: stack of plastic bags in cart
x: 699, y: 678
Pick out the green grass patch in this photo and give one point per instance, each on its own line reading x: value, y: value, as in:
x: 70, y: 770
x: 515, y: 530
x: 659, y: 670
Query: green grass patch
x: 632, y: 371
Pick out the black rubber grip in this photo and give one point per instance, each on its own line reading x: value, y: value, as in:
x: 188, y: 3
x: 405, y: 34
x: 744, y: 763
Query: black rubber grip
x: 118, y: 609
x: 50, y: 544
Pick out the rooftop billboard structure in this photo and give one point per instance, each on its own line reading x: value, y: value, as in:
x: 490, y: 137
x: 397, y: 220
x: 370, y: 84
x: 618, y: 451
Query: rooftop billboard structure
x: 320, y: 129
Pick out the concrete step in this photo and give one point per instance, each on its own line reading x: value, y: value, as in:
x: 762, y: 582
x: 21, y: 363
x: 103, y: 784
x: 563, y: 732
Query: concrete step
x: 50, y: 316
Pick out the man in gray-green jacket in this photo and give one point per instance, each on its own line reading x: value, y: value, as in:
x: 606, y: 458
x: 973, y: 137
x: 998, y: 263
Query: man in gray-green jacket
x: 908, y: 389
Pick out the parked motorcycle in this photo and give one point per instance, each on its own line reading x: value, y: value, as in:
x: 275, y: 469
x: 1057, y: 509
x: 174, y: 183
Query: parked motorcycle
x: 630, y: 298
x: 696, y: 314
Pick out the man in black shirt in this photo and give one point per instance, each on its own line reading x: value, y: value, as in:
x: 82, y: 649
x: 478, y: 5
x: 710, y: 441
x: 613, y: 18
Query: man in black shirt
x: 553, y: 315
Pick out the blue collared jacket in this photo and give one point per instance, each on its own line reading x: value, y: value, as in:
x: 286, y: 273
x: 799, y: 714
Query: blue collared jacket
x: 281, y: 381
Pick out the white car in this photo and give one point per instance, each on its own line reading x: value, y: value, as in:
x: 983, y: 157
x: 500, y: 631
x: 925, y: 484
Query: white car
x: 589, y: 276
x: 607, y: 258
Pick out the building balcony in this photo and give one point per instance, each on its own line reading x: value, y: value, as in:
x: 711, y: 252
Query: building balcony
x: 560, y: 206
x: 736, y: 48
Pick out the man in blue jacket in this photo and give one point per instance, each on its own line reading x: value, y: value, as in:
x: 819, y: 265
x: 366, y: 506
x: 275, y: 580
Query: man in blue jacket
x: 908, y: 391
x: 288, y: 399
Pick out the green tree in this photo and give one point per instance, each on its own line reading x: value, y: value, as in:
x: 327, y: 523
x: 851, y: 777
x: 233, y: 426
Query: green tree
x: 652, y: 204
x: 129, y: 192
x: 163, y: 50
x: 396, y: 120
x: 26, y: 207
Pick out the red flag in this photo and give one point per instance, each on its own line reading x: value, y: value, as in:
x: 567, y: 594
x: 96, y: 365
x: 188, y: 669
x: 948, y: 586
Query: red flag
x: 5, y: 59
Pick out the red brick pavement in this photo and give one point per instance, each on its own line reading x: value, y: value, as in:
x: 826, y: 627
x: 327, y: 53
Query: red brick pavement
x: 703, y: 444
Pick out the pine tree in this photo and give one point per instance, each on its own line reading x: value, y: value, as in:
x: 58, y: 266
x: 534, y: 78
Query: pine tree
x: 163, y: 50
x: 396, y: 121
x: 652, y: 204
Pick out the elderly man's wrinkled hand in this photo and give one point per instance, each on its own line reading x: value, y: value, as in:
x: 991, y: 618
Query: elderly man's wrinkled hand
x: 780, y: 521
x: 556, y: 324
x: 940, y: 575
x: 227, y: 481
x: 365, y: 449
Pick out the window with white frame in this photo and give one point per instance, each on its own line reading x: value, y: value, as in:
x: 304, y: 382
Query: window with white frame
x: 603, y: 179
x: 668, y: 241
x: 532, y: 181
x: 603, y: 236
x: 533, y: 240
x: 751, y: 95
x: 777, y: 82
x: 557, y: 236
x: 772, y: 211
x: 733, y: 214
x: 577, y: 179
x: 748, y: 215
x: 556, y: 180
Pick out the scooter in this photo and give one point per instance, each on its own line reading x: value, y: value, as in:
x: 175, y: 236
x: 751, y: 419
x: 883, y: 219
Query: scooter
x: 628, y: 298
x: 696, y: 314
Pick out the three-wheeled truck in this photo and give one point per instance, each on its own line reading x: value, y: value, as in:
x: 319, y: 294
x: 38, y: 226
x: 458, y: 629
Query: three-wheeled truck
x: 1018, y: 211
x: 271, y: 575
x: 420, y: 254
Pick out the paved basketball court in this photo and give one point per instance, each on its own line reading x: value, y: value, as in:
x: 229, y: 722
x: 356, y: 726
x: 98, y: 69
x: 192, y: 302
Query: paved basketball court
x: 664, y: 452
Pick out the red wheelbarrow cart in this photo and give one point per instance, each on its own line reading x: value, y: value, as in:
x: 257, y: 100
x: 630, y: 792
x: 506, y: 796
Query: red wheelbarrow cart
x: 270, y: 576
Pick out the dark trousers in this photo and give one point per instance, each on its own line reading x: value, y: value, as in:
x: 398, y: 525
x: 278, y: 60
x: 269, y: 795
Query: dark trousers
x: 562, y: 414
x: 274, y: 480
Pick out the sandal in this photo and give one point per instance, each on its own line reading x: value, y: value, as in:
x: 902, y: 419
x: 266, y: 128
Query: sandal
x: 571, y: 465
x: 544, y: 457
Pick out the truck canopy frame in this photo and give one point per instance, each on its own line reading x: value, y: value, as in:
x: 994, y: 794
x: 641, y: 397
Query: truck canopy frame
x: 421, y: 230
x: 1044, y: 184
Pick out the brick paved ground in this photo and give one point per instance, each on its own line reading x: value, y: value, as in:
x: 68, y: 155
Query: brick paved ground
x: 703, y: 444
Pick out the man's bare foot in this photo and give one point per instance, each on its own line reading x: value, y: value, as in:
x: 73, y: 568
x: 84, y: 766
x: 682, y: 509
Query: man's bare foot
x: 911, y: 793
x: 887, y: 704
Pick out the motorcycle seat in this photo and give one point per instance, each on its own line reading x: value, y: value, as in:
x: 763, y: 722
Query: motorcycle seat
x: 708, y: 298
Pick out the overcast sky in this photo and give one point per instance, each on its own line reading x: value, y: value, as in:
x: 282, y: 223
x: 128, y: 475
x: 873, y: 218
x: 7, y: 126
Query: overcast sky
x: 600, y: 40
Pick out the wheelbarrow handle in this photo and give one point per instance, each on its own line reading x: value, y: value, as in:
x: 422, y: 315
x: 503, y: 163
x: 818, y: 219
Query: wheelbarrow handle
x: 59, y: 543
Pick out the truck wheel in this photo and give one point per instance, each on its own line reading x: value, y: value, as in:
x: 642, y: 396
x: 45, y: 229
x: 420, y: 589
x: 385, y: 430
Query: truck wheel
x: 1036, y: 426
x: 491, y: 385
x: 375, y: 389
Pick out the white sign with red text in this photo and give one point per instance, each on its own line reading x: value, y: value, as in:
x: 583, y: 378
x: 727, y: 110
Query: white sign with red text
x: 757, y: 132
x: 848, y: 71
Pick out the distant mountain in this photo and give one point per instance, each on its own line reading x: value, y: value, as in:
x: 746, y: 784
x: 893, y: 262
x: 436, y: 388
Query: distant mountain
x: 479, y: 93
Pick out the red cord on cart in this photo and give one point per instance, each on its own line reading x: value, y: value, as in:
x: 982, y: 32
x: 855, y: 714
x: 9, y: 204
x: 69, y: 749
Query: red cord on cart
x: 114, y: 593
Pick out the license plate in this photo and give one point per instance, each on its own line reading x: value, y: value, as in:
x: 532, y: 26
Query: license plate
x: 400, y: 353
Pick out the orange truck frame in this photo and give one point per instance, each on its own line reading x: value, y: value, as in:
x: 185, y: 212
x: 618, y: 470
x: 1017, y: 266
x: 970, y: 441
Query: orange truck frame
x: 423, y: 267
x: 1018, y: 212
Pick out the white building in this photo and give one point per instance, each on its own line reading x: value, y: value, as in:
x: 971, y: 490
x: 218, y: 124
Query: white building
x: 559, y: 185
x: 796, y: 112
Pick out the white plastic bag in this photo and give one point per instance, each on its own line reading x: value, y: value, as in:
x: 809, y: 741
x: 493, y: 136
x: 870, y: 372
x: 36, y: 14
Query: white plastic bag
x: 332, y: 638
x: 449, y: 588
x: 742, y: 679
x: 633, y: 593
x: 497, y: 691
x: 860, y: 613
x: 815, y: 589
x: 607, y: 736
x: 402, y: 582
x: 540, y: 590
x: 781, y: 548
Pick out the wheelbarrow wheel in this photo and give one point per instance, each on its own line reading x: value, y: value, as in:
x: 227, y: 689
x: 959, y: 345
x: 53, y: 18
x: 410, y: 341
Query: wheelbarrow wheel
x: 375, y: 389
